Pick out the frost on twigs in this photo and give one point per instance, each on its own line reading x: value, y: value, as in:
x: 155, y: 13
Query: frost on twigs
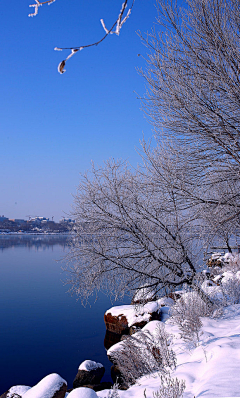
x: 120, y: 21
x: 170, y: 388
x: 144, y: 353
x: 117, y: 26
x: 187, y: 313
x: 37, y: 5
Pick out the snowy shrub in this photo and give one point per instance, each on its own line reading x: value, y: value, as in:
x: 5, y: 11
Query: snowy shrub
x: 231, y: 288
x: 144, y: 353
x: 187, y: 313
x: 170, y: 388
x: 231, y: 262
x: 113, y: 393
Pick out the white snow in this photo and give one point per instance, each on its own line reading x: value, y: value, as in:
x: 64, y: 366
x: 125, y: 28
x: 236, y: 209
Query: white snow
x: 20, y: 390
x: 46, y: 388
x: 82, y: 392
x: 211, y: 370
x: 90, y: 365
x: 135, y: 313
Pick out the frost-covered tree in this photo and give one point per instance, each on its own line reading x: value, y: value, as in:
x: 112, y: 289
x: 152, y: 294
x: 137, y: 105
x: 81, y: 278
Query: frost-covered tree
x: 143, y: 227
x: 131, y: 230
x: 193, y: 97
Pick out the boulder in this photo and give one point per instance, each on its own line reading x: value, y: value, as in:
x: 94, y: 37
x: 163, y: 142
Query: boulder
x: 15, y: 392
x: 119, y: 319
x: 116, y: 324
x: 51, y: 386
x: 117, y: 378
x: 82, y: 392
x: 89, y: 372
x: 105, y: 385
x: 111, y: 339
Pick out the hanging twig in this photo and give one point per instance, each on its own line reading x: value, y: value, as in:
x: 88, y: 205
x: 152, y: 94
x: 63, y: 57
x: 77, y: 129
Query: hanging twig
x: 117, y: 24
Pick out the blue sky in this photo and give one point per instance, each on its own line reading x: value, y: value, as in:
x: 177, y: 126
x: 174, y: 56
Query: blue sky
x: 52, y: 125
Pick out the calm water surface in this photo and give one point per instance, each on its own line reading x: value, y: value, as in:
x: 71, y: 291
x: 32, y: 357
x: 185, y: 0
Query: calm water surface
x: 43, y: 328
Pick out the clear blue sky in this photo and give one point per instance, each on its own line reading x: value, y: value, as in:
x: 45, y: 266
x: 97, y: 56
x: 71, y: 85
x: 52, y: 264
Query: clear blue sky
x: 52, y: 125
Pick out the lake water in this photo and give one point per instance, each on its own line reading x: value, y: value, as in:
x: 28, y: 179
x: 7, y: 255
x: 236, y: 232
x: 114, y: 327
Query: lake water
x: 43, y: 329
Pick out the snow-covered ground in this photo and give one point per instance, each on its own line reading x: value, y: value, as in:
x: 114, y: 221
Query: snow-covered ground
x: 210, y: 370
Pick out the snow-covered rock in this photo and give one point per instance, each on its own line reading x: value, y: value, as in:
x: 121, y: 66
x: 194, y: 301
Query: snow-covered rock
x: 19, y: 390
x: 51, y: 386
x: 120, y: 318
x: 89, y: 373
x: 90, y: 365
x: 82, y: 392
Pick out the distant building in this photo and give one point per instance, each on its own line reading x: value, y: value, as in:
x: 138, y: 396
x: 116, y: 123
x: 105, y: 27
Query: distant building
x: 2, y: 218
x: 66, y: 220
x: 18, y: 220
x: 39, y: 220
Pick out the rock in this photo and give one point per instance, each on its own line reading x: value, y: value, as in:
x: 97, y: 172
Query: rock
x: 174, y: 296
x: 117, y: 377
x: 51, y: 386
x: 89, y: 372
x: 82, y: 392
x: 105, y: 385
x: 15, y: 391
x: 116, y: 324
x: 111, y: 339
x: 119, y: 319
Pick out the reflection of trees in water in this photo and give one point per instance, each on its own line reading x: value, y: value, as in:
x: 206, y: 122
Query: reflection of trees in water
x: 34, y: 241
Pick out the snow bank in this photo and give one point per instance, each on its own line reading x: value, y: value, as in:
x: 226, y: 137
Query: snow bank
x: 211, y: 370
x: 46, y: 388
x: 82, y: 392
x: 90, y: 365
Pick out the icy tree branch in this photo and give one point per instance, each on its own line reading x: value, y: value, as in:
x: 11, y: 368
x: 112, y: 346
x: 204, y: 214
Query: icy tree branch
x: 38, y: 4
x: 117, y: 26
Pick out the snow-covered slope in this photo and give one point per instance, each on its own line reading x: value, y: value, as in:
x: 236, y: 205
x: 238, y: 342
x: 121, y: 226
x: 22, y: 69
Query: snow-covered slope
x: 210, y: 370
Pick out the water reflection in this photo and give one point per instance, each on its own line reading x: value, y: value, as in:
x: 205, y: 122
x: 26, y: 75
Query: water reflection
x: 37, y: 242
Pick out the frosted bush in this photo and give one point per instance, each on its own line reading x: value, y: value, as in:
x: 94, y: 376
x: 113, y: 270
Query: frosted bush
x: 170, y: 388
x: 113, y: 393
x: 231, y: 288
x: 144, y: 353
x: 187, y: 313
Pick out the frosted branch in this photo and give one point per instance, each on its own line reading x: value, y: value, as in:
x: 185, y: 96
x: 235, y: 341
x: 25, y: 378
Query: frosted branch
x: 117, y: 26
x: 37, y: 5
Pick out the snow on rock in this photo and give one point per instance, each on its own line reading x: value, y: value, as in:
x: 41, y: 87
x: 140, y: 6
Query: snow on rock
x: 120, y: 318
x: 210, y: 370
x: 151, y: 326
x: 115, y: 347
x: 50, y: 386
x: 89, y: 373
x: 19, y: 390
x: 82, y: 392
x: 90, y: 365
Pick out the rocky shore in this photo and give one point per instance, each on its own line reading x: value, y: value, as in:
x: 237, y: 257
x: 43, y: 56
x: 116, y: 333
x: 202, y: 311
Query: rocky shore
x: 120, y: 321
